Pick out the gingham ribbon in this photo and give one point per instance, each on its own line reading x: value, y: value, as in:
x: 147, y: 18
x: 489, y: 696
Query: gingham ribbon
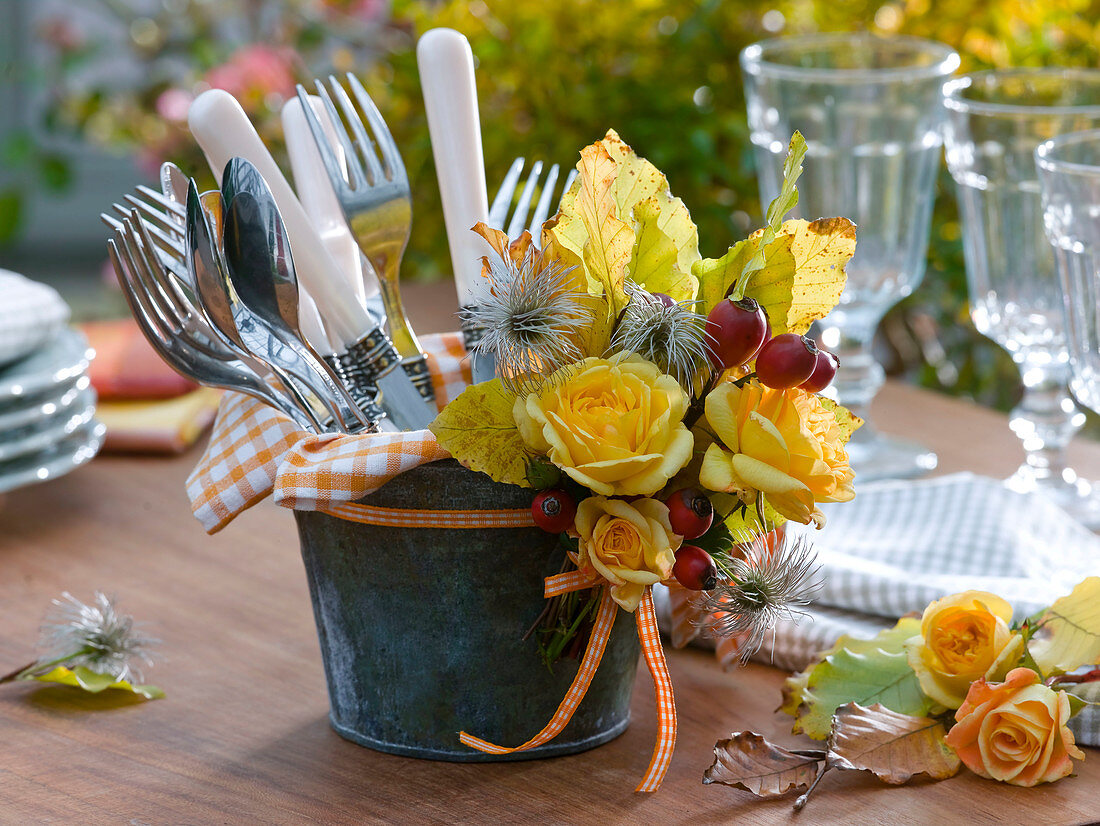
x: 646, y: 618
x: 255, y: 451
x: 424, y: 518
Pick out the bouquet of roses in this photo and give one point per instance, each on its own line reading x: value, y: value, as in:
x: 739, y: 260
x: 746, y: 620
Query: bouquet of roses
x: 960, y: 685
x: 664, y: 406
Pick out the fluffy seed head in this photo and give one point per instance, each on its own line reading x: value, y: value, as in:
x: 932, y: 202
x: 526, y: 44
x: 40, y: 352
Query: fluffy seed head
x: 95, y: 636
x: 672, y: 336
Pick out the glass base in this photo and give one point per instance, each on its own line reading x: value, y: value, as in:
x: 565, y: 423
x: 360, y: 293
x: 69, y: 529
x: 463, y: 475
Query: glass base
x: 885, y: 457
x: 1077, y: 497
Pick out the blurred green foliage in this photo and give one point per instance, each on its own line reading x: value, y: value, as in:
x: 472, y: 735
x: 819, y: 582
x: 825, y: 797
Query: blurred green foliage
x: 553, y: 76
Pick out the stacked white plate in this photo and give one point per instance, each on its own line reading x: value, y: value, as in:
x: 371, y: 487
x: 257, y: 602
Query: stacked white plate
x: 47, y: 404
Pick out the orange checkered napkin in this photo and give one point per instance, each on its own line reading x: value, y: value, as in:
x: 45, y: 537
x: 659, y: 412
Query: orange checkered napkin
x: 256, y: 451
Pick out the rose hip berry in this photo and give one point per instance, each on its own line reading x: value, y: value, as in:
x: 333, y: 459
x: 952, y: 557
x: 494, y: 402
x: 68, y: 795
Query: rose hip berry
x: 554, y: 510
x: 736, y: 329
x: 823, y: 374
x: 786, y: 361
x: 690, y: 513
x: 695, y: 569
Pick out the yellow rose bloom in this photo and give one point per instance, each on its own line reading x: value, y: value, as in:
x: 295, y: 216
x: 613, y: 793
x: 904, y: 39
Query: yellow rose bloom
x: 614, y: 425
x: 963, y: 638
x: 783, y: 444
x: 630, y: 544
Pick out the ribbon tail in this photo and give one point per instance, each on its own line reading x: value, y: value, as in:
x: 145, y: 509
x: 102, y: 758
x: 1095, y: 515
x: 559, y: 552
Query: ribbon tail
x: 559, y: 584
x: 593, y: 654
x: 666, y: 706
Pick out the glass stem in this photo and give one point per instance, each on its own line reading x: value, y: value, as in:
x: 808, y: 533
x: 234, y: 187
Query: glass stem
x: 860, y: 376
x: 1045, y: 420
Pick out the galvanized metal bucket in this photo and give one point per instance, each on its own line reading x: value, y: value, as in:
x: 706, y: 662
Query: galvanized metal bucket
x: 421, y: 628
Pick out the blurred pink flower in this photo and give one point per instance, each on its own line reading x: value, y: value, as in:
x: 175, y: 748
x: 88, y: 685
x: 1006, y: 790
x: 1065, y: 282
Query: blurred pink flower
x: 61, y: 34
x: 172, y: 104
x: 255, y: 72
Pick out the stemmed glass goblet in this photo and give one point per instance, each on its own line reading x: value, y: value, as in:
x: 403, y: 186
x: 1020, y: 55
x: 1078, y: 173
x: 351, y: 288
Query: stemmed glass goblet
x: 871, y: 111
x: 996, y: 120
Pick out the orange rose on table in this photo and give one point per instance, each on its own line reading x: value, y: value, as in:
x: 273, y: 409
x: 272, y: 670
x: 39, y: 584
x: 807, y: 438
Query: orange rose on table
x: 784, y: 444
x: 630, y: 544
x: 1015, y: 731
x: 963, y: 637
x: 614, y: 425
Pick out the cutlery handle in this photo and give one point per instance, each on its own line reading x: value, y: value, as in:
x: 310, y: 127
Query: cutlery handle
x: 223, y: 131
x: 316, y: 194
x: 450, y: 100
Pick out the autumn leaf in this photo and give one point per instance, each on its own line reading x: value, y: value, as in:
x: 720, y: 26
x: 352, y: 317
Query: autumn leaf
x: 478, y: 429
x: 893, y: 746
x: 783, y: 203
x: 802, y: 282
x: 94, y: 682
x: 1068, y: 634
x: 653, y: 262
x: 589, y: 226
x: 848, y: 421
x: 861, y: 671
x: 747, y: 761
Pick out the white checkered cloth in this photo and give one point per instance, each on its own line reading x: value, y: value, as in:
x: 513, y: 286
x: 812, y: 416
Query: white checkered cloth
x: 30, y: 315
x: 900, y: 545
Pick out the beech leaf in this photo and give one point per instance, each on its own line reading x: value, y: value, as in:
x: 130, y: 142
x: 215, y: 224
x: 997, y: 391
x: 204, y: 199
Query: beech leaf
x: 1068, y: 634
x: 893, y: 746
x: 478, y: 429
x: 747, y: 761
x: 93, y: 682
x: 861, y: 671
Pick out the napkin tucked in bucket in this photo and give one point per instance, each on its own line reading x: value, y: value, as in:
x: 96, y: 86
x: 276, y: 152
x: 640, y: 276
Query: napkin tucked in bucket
x: 900, y: 545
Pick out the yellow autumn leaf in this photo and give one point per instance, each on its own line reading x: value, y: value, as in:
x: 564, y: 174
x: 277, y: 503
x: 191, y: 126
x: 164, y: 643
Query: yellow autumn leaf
x: 717, y: 275
x: 478, y: 429
x: 804, y: 281
x: 653, y: 262
x: 94, y: 682
x: 589, y: 226
x: 848, y: 421
x: 1068, y: 634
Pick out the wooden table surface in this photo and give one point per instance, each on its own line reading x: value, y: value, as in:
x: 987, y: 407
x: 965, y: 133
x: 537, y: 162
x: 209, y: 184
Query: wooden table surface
x: 243, y: 736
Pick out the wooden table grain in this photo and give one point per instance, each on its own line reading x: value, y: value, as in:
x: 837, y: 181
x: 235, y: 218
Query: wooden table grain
x: 243, y: 737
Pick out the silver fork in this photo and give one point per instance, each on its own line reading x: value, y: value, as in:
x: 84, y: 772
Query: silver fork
x: 171, y: 332
x: 498, y: 212
x: 376, y: 202
x: 161, y: 217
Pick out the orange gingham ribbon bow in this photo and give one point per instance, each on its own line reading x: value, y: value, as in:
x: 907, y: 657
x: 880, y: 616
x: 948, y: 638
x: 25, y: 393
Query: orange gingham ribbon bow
x: 597, y: 643
x: 255, y: 451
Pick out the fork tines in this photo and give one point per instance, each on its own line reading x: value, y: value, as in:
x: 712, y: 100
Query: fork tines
x: 498, y: 212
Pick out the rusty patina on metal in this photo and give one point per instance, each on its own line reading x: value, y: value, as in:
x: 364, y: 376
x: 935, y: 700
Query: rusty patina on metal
x: 421, y: 628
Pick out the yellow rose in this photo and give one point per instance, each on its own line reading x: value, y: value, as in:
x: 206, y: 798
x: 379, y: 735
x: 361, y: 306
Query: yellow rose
x: 630, y: 544
x: 614, y: 425
x: 963, y: 638
x: 1016, y: 731
x: 783, y: 444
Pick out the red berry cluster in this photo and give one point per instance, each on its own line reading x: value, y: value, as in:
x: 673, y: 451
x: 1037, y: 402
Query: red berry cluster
x: 739, y: 331
x: 689, y: 513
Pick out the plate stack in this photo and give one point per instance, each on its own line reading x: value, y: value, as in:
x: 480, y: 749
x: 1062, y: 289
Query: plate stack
x: 47, y: 404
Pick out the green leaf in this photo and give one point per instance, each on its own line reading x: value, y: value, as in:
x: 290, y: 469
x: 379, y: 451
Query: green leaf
x: 55, y: 172
x: 857, y: 671
x: 93, y: 682
x: 717, y: 275
x: 1067, y: 635
x: 653, y: 262
x: 11, y: 214
x: 478, y: 429
x: 783, y: 203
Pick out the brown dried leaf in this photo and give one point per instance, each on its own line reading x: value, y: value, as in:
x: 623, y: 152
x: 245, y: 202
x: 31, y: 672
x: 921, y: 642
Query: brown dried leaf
x: 685, y: 615
x: 893, y: 746
x: 747, y: 761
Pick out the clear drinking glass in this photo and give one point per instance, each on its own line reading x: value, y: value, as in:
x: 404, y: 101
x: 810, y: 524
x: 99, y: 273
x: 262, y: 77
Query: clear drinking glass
x: 871, y: 111
x: 1069, y: 177
x: 995, y: 122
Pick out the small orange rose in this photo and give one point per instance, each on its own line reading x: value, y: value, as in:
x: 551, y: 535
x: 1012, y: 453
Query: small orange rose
x: 1015, y: 731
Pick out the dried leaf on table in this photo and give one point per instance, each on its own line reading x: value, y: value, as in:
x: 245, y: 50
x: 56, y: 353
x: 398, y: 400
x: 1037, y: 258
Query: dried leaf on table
x: 893, y: 746
x: 94, y: 682
x: 862, y: 671
x: 1068, y: 633
x: 747, y: 761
